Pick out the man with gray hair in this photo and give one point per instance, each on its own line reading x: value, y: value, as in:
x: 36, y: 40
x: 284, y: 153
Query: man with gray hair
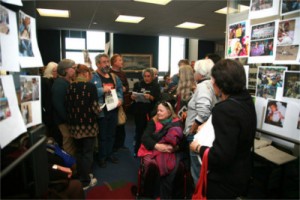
x: 199, y: 107
x: 66, y: 74
x: 106, y: 83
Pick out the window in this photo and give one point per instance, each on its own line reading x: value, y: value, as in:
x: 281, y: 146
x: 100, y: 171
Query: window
x: 77, y: 41
x: 176, y: 50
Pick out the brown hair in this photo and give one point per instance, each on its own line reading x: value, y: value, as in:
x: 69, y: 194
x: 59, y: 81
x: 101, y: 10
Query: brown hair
x: 114, y: 58
x: 80, y: 68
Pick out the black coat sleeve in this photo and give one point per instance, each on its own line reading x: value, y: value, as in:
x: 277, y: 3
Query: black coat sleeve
x: 147, y: 138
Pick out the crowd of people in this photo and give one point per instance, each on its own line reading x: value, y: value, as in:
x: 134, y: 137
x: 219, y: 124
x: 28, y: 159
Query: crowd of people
x: 166, y: 120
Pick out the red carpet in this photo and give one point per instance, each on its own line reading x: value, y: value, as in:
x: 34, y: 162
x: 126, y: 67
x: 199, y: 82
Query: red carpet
x: 115, y: 190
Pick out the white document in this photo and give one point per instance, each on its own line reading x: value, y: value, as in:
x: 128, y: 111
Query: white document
x: 111, y: 100
x: 206, y: 135
x: 140, y: 97
x: 274, y: 155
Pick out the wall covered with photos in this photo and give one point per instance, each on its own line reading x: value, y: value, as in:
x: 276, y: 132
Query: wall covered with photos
x: 267, y: 36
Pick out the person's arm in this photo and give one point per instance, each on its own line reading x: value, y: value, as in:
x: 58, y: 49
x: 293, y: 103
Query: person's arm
x: 96, y: 80
x: 203, y: 106
x: 147, y: 139
x: 58, y: 101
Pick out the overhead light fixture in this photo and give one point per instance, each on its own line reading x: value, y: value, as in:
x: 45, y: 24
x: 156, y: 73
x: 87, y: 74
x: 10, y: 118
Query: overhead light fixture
x: 241, y: 8
x: 189, y: 25
x: 224, y: 10
x: 159, y: 2
x: 129, y: 19
x: 53, y: 13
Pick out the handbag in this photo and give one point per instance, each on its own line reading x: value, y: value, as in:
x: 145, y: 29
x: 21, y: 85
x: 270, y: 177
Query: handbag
x: 200, y: 190
x: 121, y: 116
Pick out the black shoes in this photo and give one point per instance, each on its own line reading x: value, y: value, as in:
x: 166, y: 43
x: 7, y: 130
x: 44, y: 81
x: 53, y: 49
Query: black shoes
x: 113, y: 159
x: 102, y: 163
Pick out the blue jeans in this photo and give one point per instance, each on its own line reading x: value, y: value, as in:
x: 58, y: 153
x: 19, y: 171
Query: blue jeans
x: 195, y: 167
x: 107, y: 130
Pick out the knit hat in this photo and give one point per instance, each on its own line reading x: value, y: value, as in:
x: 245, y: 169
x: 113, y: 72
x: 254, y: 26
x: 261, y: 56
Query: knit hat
x: 63, y: 65
x: 204, y: 67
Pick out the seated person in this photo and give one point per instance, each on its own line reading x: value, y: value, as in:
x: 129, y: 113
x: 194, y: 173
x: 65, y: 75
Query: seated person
x: 160, y: 141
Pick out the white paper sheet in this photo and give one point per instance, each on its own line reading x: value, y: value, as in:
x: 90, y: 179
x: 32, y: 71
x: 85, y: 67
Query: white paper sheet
x: 140, y: 97
x: 29, y: 53
x: 11, y: 124
x: 9, y: 44
x: 111, y: 100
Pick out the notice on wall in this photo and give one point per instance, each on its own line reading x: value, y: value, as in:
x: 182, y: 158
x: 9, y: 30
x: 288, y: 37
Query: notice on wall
x: 29, y: 53
x: 11, y: 122
x: 30, y: 96
x: 9, y: 59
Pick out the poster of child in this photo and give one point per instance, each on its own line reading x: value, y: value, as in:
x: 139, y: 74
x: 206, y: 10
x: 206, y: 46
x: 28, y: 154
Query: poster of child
x: 275, y: 113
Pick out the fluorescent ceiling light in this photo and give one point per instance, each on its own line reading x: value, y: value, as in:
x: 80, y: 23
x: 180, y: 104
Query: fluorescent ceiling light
x: 160, y: 2
x: 224, y: 11
x: 243, y: 8
x: 129, y: 19
x: 53, y: 13
x: 189, y: 25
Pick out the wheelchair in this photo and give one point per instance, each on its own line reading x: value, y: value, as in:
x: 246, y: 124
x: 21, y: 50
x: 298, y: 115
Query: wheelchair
x: 148, y: 189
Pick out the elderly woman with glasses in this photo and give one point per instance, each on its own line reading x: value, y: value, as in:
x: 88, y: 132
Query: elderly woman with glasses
x: 160, y: 141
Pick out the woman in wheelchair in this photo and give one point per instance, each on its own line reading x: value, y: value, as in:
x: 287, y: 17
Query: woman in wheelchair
x: 160, y: 142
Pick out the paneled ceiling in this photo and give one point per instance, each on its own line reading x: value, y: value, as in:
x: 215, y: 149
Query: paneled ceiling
x: 159, y: 20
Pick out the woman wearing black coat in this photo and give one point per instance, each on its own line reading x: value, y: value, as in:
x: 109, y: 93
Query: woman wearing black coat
x: 234, y: 122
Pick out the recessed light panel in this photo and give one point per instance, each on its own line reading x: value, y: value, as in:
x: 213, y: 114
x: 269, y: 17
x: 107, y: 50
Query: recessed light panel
x: 53, y: 13
x: 189, y: 25
x: 129, y: 19
x: 160, y: 2
x: 224, y: 10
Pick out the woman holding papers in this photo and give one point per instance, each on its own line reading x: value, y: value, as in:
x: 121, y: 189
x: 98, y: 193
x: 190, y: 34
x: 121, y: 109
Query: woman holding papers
x: 145, y: 95
x: 234, y: 123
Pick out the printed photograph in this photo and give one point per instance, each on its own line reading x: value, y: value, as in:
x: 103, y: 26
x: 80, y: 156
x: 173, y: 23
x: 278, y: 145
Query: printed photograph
x: 261, y: 4
x: 263, y: 31
x: 4, y: 21
x: 26, y: 111
x: 4, y: 106
x: 289, y: 52
x: 291, y: 87
x: 29, y: 89
x: 268, y: 80
x: 262, y: 48
x: 286, y: 30
x: 275, y: 113
x: 25, y: 44
x: 238, y: 41
x: 290, y: 6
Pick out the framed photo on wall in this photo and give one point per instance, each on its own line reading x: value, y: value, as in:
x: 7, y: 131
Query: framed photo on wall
x: 136, y: 62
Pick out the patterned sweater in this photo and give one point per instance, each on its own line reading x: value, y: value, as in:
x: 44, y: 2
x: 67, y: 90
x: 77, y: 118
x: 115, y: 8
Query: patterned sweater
x: 82, y: 108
